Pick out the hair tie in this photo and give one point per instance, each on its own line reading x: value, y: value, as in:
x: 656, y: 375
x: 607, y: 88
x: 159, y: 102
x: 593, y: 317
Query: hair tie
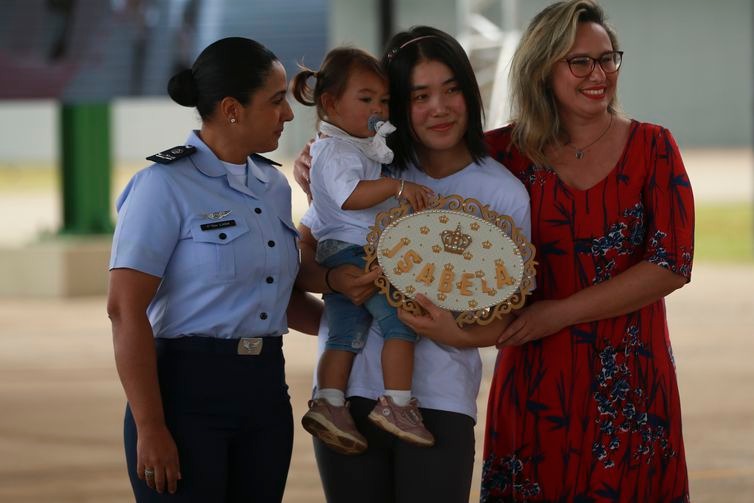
x: 394, y: 51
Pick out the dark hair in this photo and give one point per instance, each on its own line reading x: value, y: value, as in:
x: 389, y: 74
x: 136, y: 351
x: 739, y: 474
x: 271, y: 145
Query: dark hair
x: 230, y: 67
x: 404, y: 51
x: 332, y: 76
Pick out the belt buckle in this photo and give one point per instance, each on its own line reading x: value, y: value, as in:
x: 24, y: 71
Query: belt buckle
x: 250, y: 346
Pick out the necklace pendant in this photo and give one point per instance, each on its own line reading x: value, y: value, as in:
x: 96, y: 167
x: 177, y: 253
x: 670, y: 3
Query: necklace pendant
x: 579, y: 154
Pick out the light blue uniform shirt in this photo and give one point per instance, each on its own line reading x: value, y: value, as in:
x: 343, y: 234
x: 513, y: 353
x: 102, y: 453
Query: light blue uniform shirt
x: 227, y: 253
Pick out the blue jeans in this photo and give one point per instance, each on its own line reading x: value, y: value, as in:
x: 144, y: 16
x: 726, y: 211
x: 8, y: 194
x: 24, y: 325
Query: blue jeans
x: 349, y: 324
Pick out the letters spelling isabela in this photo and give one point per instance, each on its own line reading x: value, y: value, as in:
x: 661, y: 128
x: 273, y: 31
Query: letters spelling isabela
x: 453, y: 242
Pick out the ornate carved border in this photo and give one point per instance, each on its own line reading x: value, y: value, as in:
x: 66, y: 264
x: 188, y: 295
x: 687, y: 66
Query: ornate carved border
x: 469, y: 206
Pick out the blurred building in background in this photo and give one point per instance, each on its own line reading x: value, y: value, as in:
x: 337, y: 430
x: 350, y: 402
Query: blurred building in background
x: 94, y: 50
x: 124, y: 52
x: 688, y: 63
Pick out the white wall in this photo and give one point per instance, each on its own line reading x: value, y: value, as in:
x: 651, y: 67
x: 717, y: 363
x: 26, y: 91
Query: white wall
x: 28, y: 131
x: 139, y: 127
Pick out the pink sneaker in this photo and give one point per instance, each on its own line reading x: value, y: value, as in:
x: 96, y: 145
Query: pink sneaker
x: 403, y: 422
x: 334, y: 426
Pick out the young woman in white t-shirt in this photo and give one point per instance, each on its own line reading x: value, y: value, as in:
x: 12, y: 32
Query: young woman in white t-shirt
x: 437, y: 109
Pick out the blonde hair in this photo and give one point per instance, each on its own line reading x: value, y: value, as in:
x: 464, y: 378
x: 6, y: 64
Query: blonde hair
x: 547, y: 39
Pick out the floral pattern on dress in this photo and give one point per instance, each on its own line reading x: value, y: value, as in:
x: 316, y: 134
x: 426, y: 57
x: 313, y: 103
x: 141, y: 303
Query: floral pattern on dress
x: 622, y: 407
x: 592, y: 413
x: 507, y: 479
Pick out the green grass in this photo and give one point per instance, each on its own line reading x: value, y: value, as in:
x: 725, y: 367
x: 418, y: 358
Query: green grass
x: 27, y: 178
x: 38, y: 178
x: 724, y: 231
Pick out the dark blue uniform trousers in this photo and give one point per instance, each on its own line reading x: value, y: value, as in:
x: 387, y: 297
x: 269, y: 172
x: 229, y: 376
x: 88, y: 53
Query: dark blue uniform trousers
x: 231, y: 418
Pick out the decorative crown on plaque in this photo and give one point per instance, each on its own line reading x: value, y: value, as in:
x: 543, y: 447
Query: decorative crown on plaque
x: 455, y: 241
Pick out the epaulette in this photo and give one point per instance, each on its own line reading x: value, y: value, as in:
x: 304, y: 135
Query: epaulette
x: 257, y: 156
x: 172, y: 154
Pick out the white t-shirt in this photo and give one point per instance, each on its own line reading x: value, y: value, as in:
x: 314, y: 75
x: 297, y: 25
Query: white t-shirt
x: 337, y: 167
x: 236, y: 171
x: 445, y: 378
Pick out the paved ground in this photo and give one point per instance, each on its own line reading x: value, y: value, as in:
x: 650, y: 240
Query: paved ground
x: 62, y: 404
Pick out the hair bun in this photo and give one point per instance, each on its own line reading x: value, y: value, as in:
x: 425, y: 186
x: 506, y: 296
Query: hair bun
x: 182, y: 88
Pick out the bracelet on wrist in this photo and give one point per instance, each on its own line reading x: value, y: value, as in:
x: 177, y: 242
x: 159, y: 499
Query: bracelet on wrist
x: 400, y: 190
x: 327, y: 281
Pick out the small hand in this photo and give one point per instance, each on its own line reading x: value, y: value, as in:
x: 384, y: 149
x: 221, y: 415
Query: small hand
x: 354, y: 283
x: 301, y: 167
x: 418, y: 196
x: 157, y: 459
x: 533, y: 322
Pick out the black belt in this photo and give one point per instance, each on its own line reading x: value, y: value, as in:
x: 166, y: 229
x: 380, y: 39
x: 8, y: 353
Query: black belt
x: 245, y: 346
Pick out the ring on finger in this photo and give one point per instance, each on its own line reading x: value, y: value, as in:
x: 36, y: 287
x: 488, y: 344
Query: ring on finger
x: 149, y: 473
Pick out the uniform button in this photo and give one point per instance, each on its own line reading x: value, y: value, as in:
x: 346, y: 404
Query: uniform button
x: 270, y: 243
x: 222, y: 235
x: 257, y: 210
x: 269, y: 279
x: 263, y: 316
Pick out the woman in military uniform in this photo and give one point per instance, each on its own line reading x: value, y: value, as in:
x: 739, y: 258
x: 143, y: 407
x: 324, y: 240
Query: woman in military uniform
x: 203, y: 264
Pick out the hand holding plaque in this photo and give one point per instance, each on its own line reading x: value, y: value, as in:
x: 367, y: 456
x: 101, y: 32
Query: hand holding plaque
x: 463, y: 256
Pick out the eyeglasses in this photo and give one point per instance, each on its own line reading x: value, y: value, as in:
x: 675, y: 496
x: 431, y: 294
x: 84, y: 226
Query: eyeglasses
x: 583, y: 66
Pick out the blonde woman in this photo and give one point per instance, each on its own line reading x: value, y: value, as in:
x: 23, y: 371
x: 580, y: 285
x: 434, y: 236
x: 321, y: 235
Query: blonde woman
x: 584, y: 405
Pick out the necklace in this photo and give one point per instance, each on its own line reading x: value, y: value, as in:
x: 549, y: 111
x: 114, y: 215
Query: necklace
x: 580, y: 151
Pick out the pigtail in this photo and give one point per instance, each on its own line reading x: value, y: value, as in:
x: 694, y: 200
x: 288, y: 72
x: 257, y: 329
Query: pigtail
x: 300, y: 88
x: 332, y: 76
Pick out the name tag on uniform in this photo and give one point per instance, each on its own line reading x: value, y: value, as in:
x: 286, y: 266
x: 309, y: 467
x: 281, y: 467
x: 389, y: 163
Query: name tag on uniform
x: 218, y: 225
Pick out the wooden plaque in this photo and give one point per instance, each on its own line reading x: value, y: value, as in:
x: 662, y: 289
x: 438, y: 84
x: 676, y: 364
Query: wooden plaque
x: 459, y: 253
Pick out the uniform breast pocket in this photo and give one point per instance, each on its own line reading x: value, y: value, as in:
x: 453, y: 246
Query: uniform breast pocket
x: 290, y: 260
x: 213, y: 246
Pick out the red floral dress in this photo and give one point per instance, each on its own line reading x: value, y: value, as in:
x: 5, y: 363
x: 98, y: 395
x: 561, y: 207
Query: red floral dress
x: 591, y: 413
